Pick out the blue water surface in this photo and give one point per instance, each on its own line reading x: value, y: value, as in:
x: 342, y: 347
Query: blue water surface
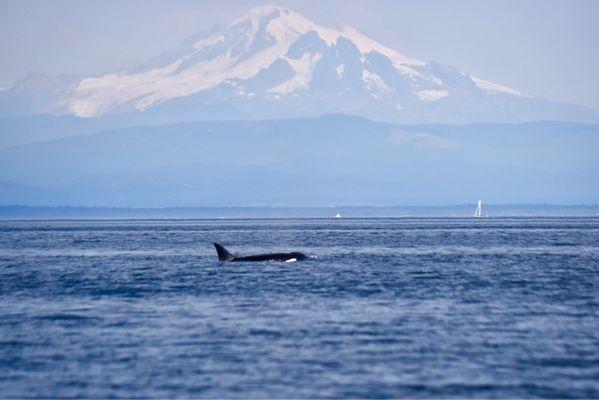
x: 389, y: 308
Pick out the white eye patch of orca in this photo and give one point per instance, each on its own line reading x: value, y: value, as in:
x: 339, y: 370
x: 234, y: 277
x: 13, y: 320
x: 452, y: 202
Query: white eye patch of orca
x: 291, y: 260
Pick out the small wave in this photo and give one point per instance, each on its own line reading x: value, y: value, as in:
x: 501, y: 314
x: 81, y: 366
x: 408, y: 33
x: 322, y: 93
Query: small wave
x: 65, y: 317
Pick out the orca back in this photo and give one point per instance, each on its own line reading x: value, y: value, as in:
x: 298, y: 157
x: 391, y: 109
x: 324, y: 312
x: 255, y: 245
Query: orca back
x: 224, y: 255
x: 283, y: 257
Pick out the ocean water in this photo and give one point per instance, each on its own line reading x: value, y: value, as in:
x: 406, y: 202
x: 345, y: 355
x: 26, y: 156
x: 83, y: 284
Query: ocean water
x: 389, y: 308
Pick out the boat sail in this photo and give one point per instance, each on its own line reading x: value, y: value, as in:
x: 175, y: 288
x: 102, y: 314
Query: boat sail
x: 479, y: 210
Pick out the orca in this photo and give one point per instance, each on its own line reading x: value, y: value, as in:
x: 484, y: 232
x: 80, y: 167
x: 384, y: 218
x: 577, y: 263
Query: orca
x: 224, y: 255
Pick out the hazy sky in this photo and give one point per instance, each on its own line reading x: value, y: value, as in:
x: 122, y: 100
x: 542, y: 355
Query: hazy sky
x: 546, y: 48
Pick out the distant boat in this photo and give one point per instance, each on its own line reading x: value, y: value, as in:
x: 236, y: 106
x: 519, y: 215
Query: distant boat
x: 330, y: 217
x: 478, y: 213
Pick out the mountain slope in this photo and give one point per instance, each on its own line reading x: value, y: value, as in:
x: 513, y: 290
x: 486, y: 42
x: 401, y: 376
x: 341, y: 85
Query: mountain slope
x: 274, y: 62
x: 309, y: 162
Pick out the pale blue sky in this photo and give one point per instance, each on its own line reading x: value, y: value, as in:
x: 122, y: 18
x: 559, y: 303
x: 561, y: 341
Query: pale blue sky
x: 546, y: 48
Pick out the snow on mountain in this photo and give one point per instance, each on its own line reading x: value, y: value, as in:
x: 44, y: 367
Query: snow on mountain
x: 266, y: 39
x: 274, y: 62
x: 495, y: 87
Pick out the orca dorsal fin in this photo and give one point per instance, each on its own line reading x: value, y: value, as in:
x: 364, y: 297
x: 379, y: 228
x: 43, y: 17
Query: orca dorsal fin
x: 223, y: 254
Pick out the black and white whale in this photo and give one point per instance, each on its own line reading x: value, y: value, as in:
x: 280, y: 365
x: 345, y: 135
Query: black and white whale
x: 224, y: 255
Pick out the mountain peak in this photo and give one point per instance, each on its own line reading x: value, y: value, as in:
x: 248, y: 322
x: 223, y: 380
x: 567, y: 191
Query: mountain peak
x: 282, y: 22
x: 267, y: 10
x: 274, y: 62
x: 251, y: 45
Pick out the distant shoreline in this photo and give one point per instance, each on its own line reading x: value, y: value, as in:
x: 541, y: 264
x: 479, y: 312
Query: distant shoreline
x: 463, y: 210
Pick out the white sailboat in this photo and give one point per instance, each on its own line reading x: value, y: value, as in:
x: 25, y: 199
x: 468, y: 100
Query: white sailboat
x: 478, y: 213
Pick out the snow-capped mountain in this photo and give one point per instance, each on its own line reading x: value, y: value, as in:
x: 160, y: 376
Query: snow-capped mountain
x: 274, y: 62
